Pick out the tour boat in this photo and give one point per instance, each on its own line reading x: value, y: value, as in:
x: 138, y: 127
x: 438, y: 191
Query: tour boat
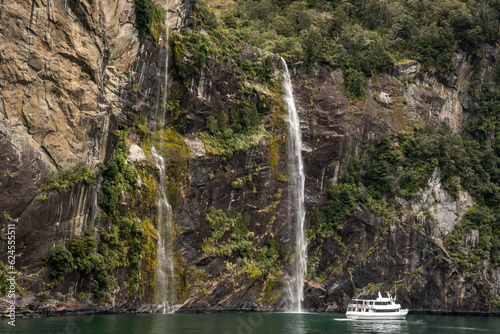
x: 380, y: 309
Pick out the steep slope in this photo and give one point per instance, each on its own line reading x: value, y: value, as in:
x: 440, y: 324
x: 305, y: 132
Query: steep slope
x: 63, y: 68
x: 335, y: 130
x: 75, y: 72
x: 53, y: 56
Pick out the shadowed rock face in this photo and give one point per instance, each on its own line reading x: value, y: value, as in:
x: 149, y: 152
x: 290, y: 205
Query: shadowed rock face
x: 410, y: 252
x: 72, y: 72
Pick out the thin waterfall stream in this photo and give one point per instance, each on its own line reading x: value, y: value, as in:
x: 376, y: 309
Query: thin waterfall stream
x: 165, y: 262
x: 165, y: 275
x: 296, y: 193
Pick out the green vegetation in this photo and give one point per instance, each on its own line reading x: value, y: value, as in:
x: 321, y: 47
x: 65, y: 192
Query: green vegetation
x: 173, y: 110
x: 415, y: 271
x: 148, y: 18
x: 360, y: 37
x: 238, y: 127
x: 227, y: 145
x: 400, y: 166
x: 176, y: 157
x: 327, y: 221
x: 121, y: 241
x: 6, y: 216
x: 60, y: 262
x: 238, y: 183
x: 241, y: 129
x: 176, y: 154
x: 485, y: 220
x: 231, y: 239
x: 67, y: 178
x: 81, y: 255
x: 189, y: 50
x: 4, y: 283
x: 321, y: 278
x: 370, y: 288
x: 118, y: 178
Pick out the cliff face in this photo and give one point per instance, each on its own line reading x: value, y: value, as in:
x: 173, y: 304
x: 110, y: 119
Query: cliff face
x: 409, y: 254
x: 73, y: 72
x: 52, y: 59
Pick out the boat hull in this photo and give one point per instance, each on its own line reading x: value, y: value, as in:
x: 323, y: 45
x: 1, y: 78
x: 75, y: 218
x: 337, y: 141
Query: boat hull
x: 401, y: 315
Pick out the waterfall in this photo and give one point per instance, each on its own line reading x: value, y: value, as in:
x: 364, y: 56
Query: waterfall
x: 165, y: 280
x: 296, y: 193
x: 165, y: 275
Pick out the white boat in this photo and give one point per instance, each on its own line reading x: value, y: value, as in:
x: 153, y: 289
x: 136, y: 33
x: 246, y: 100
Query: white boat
x: 380, y: 309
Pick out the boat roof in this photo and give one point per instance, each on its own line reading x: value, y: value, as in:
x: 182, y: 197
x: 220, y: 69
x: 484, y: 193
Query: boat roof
x: 379, y: 299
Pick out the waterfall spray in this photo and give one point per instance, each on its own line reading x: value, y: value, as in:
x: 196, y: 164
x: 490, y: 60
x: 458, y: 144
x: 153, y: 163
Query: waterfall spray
x: 296, y: 193
x: 165, y: 278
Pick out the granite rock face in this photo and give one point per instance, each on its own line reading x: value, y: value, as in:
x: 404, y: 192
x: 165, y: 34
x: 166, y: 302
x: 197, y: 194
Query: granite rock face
x: 72, y: 72
x: 52, y: 61
x: 441, y: 206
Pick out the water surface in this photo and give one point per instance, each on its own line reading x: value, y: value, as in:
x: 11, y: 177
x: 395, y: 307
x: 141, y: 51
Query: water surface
x: 244, y: 323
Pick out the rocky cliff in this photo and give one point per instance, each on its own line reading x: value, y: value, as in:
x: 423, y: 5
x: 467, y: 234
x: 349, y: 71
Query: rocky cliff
x: 73, y: 72
x: 53, y: 58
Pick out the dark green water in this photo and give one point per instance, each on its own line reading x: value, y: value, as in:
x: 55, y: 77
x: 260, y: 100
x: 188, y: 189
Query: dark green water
x: 244, y: 323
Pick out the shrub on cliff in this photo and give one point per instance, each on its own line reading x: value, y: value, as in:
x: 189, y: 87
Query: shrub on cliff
x: 147, y: 15
x: 60, y: 262
x: 67, y: 178
x: 144, y: 12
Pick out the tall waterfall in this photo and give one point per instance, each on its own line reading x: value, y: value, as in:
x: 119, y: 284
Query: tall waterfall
x: 296, y: 193
x: 165, y: 279
x: 165, y: 275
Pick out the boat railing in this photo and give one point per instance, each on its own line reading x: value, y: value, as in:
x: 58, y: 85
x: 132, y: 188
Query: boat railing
x: 362, y: 305
x: 371, y: 306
